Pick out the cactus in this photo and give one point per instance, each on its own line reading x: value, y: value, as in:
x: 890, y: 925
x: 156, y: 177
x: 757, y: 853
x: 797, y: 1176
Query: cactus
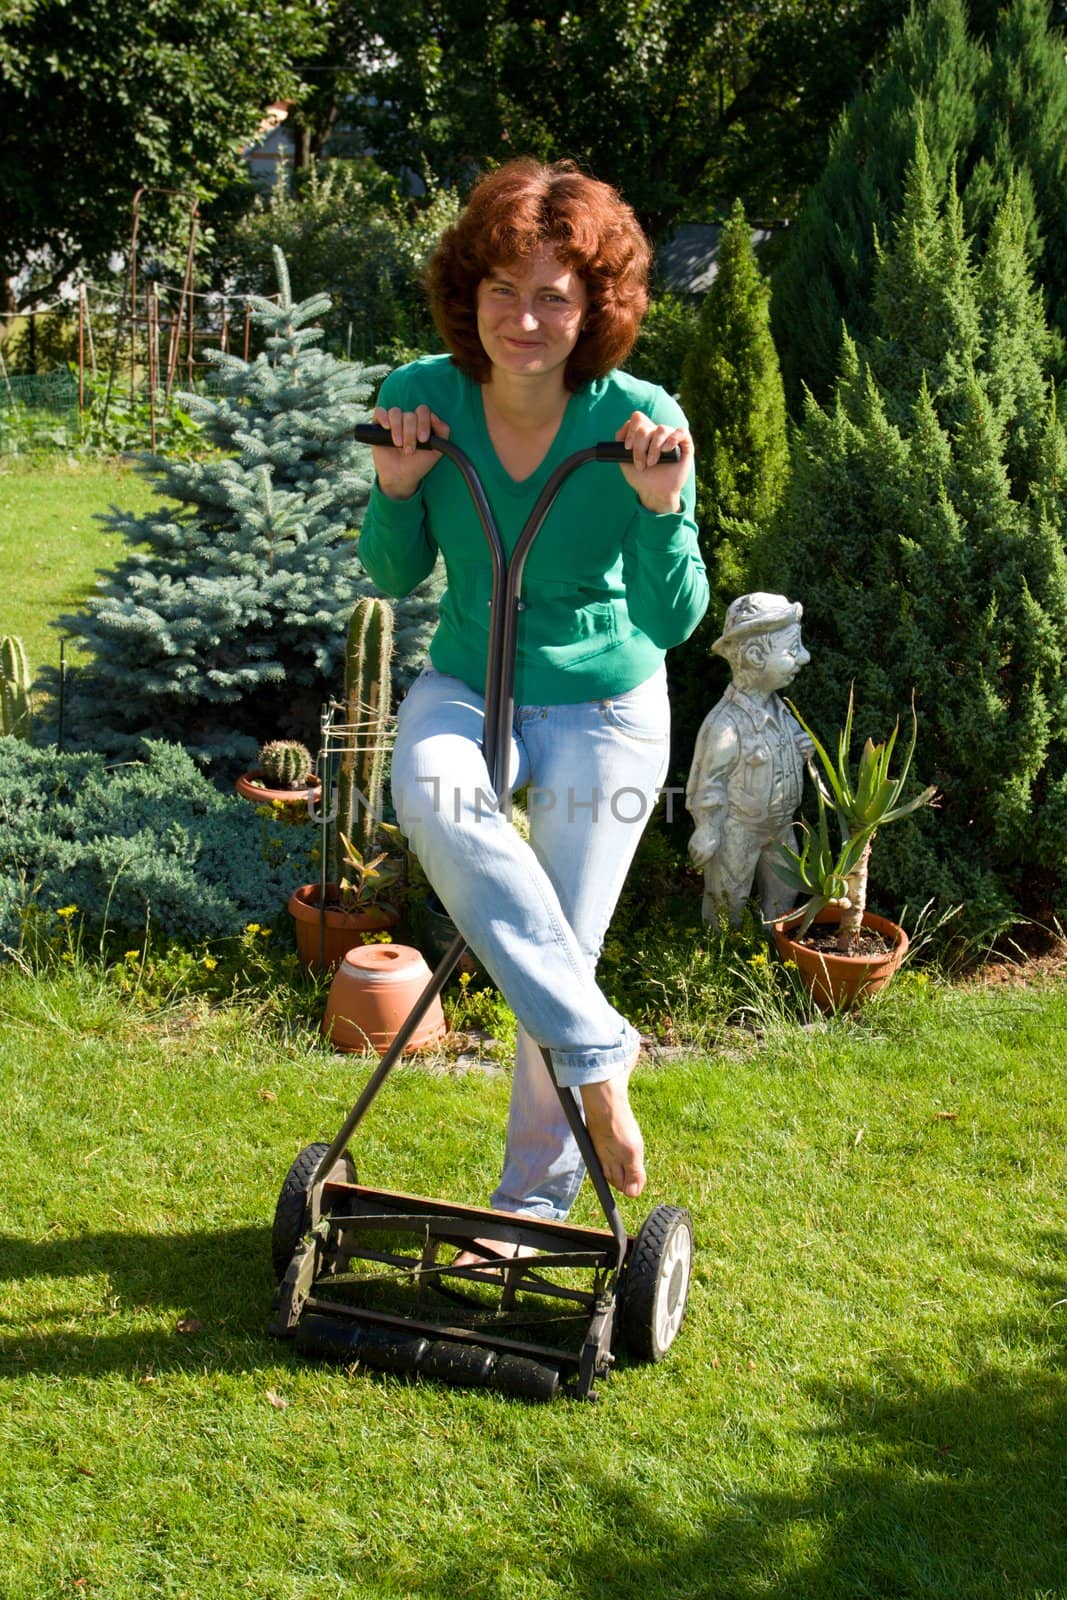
x: 285, y: 763
x: 16, y: 706
x: 368, y: 701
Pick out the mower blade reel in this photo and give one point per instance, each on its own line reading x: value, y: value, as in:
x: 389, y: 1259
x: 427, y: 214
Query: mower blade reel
x: 468, y: 1366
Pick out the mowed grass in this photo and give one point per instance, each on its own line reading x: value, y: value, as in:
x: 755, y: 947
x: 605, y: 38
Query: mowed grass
x: 51, y: 546
x: 868, y: 1398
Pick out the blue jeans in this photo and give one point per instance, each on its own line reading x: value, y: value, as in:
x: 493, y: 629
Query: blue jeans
x: 536, y: 913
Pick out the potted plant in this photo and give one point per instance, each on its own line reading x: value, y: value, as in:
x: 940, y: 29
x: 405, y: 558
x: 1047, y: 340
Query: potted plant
x: 283, y: 775
x: 363, y: 861
x: 842, y: 950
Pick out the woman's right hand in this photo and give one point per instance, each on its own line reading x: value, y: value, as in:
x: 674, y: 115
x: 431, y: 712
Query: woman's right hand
x: 401, y: 469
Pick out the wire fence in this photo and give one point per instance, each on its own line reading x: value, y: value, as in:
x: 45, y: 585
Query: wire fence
x: 51, y: 411
x: 105, y: 368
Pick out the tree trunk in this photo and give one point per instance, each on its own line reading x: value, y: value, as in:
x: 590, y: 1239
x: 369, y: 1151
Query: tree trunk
x: 852, y: 914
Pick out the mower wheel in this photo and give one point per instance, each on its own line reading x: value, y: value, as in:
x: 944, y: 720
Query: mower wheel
x: 655, y: 1285
x: 292, y: 1201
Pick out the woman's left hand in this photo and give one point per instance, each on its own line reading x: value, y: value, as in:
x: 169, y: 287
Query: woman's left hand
x: 658, y: 485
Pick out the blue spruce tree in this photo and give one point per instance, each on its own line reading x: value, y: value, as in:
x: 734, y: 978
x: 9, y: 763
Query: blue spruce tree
x: 225, y: 624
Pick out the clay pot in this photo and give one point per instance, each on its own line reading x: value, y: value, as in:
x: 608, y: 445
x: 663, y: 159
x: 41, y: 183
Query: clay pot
x: 323, y: 937
x: 372, y: 992
x: 258, y: 792
x: 837, y: 982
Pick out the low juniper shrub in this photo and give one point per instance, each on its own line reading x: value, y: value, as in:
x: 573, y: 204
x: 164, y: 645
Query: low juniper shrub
x: 141, y: 844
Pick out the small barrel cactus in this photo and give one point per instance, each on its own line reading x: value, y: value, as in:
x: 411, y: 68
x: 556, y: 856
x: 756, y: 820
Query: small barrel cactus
x: 16, y: 706
x: 285, y: 764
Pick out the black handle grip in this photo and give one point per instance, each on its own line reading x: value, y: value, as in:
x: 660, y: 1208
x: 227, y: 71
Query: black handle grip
x: 612, y: 450
x: 609, y: 450
x: 371, y: 433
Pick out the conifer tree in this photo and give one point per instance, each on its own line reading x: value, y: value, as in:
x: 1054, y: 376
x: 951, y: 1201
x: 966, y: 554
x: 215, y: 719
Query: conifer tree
x: 225, y: 624
x: 997, y: 114
x: 923, y: 532
x: 825, y: 278
x: 1022, y: 128
x: 732, y: 393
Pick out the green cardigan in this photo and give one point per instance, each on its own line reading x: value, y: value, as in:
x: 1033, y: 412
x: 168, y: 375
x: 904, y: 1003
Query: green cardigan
x: 608, y: 586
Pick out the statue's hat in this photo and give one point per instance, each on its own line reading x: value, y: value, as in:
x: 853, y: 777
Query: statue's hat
x: 756, y: 613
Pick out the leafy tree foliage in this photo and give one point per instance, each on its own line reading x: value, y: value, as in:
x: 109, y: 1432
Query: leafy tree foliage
x: 101, y: 99
x: 225, y: 625
x: 990, y: 110
x: 923, y: 531
x: 671, y: 103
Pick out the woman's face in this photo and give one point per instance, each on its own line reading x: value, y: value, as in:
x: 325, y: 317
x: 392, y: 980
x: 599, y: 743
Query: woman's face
x: 530, y: 315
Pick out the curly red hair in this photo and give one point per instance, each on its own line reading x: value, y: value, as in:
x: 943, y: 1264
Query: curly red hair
x: 511, y: 214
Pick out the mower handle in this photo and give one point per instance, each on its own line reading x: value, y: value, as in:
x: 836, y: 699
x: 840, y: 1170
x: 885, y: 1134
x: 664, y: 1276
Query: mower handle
x: 608, y: 450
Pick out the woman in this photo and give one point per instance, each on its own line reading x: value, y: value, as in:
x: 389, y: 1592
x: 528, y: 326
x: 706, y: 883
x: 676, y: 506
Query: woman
x: 538, y: 291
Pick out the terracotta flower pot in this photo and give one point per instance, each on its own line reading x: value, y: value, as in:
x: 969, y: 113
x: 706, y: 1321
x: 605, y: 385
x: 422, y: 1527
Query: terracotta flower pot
x: 372, y: 992
x: 250, y: 786
x: 323, y: 937
x: 835, y: 981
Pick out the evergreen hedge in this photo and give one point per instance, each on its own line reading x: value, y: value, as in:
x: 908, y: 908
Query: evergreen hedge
x: 923, y: 532
x: 732, y: 393
x: 994, y: 113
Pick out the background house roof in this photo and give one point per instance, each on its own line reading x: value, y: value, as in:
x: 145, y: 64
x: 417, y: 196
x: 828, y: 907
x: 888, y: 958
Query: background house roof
x: 688, y: 262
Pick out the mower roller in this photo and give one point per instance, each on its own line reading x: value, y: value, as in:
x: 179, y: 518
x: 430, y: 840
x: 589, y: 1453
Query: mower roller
x: 360, y: 1275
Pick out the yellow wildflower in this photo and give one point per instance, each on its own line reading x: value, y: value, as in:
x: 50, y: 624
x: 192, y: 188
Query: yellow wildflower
x: 67, y: 911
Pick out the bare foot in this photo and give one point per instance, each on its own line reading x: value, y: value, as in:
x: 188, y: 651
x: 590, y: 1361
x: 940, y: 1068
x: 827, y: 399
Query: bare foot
x: 488, y: 1253
x: 616, y: 1137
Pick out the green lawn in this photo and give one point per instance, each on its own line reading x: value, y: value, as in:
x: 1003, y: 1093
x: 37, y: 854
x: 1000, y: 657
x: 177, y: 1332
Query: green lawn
x: 868, y: 1399
x: 51, y: 545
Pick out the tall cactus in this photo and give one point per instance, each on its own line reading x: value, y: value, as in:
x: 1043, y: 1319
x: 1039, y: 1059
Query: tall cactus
x: 368, y: 701
x: 16, y: 705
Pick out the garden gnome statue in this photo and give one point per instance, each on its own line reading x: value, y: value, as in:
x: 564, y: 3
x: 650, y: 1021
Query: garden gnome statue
x: 747, y: 776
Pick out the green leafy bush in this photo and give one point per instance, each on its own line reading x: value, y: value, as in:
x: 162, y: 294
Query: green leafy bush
x: 348, y: 232
x: 665, y: 338
x: 146, y: 843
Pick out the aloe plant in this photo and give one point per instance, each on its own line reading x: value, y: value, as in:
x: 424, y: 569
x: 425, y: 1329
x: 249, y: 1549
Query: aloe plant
x: 862, y: 800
